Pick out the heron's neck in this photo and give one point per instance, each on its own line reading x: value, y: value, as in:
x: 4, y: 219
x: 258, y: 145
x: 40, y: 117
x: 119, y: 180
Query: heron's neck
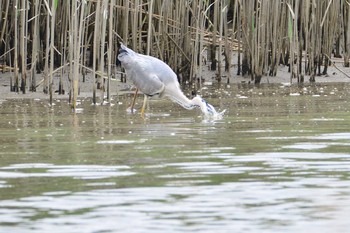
x: 182, y: 100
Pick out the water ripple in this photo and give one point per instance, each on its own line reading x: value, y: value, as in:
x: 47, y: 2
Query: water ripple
x: 75, y: 171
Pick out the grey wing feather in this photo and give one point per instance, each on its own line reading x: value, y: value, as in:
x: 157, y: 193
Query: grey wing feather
x: 144, y: 79
x: 149, y: 85
x: 149, y: 74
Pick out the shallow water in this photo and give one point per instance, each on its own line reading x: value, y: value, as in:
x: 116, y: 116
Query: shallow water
x: 278, y: 161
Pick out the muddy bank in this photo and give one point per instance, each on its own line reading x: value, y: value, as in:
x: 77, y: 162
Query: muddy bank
x: 335, y: 74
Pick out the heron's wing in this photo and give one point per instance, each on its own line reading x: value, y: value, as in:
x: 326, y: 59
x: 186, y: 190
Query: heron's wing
x: 149, y: 84
x: 144, y: 77
x: 160, y: 68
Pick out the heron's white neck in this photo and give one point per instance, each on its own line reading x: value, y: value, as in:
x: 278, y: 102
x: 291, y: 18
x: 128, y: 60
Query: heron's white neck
x: 187, y: 103
x: 182, y: 100
x: 177, y: 96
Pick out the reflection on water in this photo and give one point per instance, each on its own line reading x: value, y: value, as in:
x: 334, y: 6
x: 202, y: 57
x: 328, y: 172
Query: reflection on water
x: 278, y: 161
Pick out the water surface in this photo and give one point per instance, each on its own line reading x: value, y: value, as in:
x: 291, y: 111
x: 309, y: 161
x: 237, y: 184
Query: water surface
x: 278, y: 161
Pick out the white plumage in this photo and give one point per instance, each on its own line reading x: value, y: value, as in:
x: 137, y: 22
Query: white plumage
x: 155, y: 78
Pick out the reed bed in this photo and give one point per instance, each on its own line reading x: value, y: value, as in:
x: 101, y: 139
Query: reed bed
x: 67, y: 39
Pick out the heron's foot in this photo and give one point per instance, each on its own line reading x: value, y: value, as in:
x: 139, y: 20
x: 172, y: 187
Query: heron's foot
x: 131, y: 110
x: 143, y: 113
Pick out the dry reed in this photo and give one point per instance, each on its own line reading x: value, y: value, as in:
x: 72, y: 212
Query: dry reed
x: 67, y: 39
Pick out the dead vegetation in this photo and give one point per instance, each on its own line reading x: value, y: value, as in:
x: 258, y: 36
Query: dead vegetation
x: 70, y: 38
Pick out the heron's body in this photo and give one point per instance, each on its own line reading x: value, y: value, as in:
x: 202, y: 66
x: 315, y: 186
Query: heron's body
x: 155, y: 78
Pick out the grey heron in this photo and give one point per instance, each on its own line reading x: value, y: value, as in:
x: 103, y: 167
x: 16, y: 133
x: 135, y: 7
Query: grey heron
x: 153, y: 77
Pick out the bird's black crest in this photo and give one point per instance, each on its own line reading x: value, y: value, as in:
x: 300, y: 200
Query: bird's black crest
x: 120, y: 50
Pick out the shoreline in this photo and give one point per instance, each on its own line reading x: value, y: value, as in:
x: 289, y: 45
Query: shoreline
x: 208, y: 77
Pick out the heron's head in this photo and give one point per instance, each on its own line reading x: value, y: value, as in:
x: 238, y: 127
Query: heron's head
x: 207, y: 109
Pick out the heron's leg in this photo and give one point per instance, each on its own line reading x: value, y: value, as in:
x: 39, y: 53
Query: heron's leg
x: 133, y: 101
x: 144, y: 106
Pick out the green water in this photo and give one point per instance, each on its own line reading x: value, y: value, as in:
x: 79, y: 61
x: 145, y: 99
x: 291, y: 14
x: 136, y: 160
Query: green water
x: 278, y: 161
